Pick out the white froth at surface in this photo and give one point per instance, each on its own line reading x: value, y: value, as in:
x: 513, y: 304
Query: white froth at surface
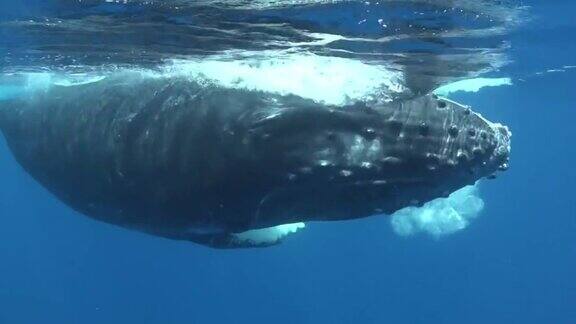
x: 441, y: 216
x: 329, y: 80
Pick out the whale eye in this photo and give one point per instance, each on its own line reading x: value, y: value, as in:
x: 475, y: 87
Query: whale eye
x: 442, y: 104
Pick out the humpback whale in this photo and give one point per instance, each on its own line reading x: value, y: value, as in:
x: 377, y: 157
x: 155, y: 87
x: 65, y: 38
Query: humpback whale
x: 184, y: 160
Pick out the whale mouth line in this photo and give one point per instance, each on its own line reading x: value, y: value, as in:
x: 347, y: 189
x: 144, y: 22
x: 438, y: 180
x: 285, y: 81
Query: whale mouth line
x: 360, y: 182
x: 381, y: 183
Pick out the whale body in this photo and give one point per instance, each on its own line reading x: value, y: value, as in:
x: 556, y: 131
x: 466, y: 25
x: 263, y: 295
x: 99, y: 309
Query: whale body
x: 189, y: 161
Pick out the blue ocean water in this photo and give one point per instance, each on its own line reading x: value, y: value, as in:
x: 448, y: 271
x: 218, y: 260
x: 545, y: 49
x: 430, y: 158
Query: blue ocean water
x: 514, y: 264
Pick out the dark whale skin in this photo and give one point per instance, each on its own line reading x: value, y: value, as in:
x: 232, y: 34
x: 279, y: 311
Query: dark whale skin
x: 198, y: 162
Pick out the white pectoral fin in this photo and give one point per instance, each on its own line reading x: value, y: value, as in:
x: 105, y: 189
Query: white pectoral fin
x: 267, y: 236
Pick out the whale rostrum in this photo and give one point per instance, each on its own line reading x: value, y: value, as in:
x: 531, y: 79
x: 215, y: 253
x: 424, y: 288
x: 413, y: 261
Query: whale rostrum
x: 189, y: 161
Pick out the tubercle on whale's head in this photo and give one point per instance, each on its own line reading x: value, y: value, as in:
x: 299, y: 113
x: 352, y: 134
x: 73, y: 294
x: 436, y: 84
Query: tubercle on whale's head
x: 361, y: 160
x: 457, y: 138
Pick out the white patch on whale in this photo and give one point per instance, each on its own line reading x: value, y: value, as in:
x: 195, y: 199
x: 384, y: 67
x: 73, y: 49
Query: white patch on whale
x: 440, y: 216
x: 268, y: 235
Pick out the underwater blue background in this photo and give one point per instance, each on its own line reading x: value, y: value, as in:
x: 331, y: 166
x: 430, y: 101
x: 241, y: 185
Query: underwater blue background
x: 514, y: 264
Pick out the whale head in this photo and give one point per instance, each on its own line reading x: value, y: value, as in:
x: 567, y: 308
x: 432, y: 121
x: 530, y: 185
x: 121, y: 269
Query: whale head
x: 356, y: 161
